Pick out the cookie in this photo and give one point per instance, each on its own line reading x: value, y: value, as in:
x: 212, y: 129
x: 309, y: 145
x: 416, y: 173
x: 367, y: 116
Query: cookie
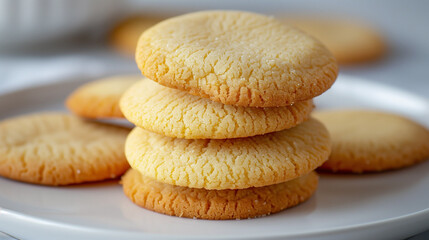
x: 217, y: 204
x: 125, y: 34
x: 236, y: 58
x: 59, y: 149
x: 369, y: 141
x: 175, y: 113
x: 100, y: 99
x: 350, y: 42
x: 229, y: 163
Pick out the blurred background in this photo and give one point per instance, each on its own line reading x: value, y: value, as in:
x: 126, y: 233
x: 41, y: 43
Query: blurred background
x: 50, y: 40
x: 44, y: 41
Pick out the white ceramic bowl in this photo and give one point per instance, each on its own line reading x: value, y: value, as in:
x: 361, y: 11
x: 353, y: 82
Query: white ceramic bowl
x: 24, y: 22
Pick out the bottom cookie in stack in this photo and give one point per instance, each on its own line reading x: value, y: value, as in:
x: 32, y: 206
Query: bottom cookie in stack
x: 217, y: 204
x: 178, y: 176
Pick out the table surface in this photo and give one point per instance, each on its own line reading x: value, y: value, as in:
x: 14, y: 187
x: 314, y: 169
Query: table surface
x: 403, y: 23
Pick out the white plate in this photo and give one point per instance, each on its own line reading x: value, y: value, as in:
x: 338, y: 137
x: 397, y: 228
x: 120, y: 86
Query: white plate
x: 390, y: 205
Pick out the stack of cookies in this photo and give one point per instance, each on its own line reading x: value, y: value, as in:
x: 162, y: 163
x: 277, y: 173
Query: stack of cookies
x: 224, y: 129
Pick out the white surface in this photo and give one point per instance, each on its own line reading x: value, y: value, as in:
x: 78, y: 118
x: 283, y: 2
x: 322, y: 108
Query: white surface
x: 391, y: 205
x: 25, y: 22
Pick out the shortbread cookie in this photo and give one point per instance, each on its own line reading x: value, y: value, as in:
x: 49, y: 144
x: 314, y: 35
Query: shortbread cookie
x: 217, y: 204
x: 175, y: 113
x: 100, y: 99
x: 125, y: 35
x: 350, y: 42
x: 236, y: 58
x: 366, y: 141
x: 232, y: 163
x: 59, y: 149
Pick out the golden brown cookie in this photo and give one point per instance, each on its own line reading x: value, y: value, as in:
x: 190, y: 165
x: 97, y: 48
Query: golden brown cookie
x: 350, y: 42
x: 236, y: 58
x: 100, y: 99
x: 125, y: 34
x: 175, y: 113
x: 217, y: 204
x: 368, y: 141
x: 232, y: 163
x: 59, y: 149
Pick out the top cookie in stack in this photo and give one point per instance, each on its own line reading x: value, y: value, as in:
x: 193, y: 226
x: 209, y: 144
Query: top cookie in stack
x: 236, y: 58
x: 228, y: 76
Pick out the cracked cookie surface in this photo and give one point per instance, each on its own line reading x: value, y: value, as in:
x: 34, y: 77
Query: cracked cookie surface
x: 176, y: 113
x: 236, y: 58
x: 229, y: 163
x: 100, y: 99
x: 60, y: 149
x: 217, y: 204
x: 370, y: 141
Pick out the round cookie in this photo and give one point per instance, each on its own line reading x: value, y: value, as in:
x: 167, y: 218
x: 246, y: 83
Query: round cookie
x: 217, y: 204
x: 368, y: 141
x: 350, y: 42
x: 100, y: 99
x: 236, y: 58
x: 59, y: 149
x: 176, y: 113
x: 229, y: 163
x: 125, y: 34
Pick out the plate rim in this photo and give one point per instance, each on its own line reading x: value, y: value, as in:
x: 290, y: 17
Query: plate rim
x: 93, y: 230
x: 424, y: 213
